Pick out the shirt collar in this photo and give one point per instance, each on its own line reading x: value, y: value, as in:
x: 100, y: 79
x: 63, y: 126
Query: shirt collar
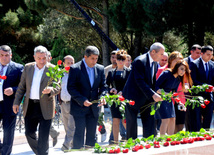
x: 150, y: 59
x: 38, y: 68
x: 86, y: 66
x: 4, y: 65
x: 204, y: 61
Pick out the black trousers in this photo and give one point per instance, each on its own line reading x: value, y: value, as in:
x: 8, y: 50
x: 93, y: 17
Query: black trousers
x: 33, y: 118
x: 87, y: 122
x: 9, y: 123
x: 148, y: 121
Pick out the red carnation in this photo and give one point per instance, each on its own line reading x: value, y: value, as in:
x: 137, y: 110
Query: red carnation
x: 121, y: 98
x: 206, y: 102
x: 147, y: 146
x: 209, y: 89
x: 175, y: 94
x: 132, y: 102
x: 67, y: 68
x: 3, y: 77
x: 59, y: 62
x: 125, y: 150
x: 124, y: 120
x: 203, y: 106
x: 166, y: 144
x: 178, y: 100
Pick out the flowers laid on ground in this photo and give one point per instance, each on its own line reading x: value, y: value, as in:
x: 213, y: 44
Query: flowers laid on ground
x: 180, y: 138
x: 56, y: 73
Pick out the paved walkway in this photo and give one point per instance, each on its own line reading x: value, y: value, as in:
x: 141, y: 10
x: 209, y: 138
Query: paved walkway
x: 21, y: 146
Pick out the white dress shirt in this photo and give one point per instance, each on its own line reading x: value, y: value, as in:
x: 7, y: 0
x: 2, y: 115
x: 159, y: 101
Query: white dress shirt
x: 65, y: 96
x: 2, y: 81
x: 35, y: 87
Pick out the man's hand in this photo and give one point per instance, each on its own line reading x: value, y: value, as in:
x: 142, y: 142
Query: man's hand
x: 157, y: 97
x: 114, y: 91
x: 47, y: 90
x: 120, y: 93
x: 8, y: 91
x: 87, y: 103
x: 102, y: 102
x: 15, y: 109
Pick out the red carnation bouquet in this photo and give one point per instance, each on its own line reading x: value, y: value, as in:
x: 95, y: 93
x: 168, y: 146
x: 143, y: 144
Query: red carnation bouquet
x: 56, y: 73
x: 193, y: 100
x: 119, y: 101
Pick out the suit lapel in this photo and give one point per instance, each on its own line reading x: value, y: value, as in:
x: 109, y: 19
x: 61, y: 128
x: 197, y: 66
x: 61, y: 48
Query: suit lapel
x: 201, y: 68
x: 95, y: 75
x: 85, y: 73
x: 149, y: 68
x: 44, y: 73
x: 31, y: 73
x: 9, y: 68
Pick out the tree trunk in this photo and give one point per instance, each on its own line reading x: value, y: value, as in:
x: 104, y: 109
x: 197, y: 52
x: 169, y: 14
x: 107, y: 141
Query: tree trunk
x: 137, y: 44
x: 105, y: 46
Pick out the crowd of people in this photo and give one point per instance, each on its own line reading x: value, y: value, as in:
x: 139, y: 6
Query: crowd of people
x: 80, y: 89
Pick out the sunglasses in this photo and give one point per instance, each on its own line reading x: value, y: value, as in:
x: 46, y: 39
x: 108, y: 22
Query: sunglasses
x: 121, y: 59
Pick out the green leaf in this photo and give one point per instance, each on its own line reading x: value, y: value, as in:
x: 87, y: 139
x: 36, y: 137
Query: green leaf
x: 48, y: 74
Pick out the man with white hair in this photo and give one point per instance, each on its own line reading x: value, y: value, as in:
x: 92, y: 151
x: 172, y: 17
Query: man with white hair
x: 140, y: 87
x: 37, y: 111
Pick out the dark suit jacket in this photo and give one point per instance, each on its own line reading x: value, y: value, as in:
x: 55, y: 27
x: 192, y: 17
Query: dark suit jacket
x: 13, y: 74
x: 47, y: 102
x: 139, y: 84
x: 80, y: 89
x: 110, y: 79
x: 187, y: 59
x: 198, y: 75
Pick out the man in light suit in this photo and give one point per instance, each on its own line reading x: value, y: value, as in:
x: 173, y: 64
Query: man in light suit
x: 86, y: 82
x: 140, y: 87
x: 37, y: 110
x: 202, y: 72
x: 8, y: 89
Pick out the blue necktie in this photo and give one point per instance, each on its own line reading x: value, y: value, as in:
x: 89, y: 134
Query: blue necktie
x: 91, y: 77
x: 207, y: 70
x: 2, y: 71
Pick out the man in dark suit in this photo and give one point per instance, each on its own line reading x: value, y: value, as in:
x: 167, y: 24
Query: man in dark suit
x: 202, y: 72
x: 8, y: 89
x: 86, y: 82
x: 37, y: 111
x: 140, y: 88
x: 195, y: 54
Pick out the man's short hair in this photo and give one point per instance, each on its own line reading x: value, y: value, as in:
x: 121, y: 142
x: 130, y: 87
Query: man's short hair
x: 48, y: 53
x: 195, y: 46
x: 157, y: 47
x: 68, y: 56
x: 91, y: 50
x: 114, y: 52
x: 40, y: 49
x: 6, y: 48
x: 166, y: 54
x: 205, y: 48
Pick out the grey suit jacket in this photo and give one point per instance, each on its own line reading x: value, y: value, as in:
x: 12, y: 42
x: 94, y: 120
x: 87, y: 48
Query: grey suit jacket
x: 47, y: 102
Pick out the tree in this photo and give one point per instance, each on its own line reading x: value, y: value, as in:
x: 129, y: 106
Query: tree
x: 18, y: 29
